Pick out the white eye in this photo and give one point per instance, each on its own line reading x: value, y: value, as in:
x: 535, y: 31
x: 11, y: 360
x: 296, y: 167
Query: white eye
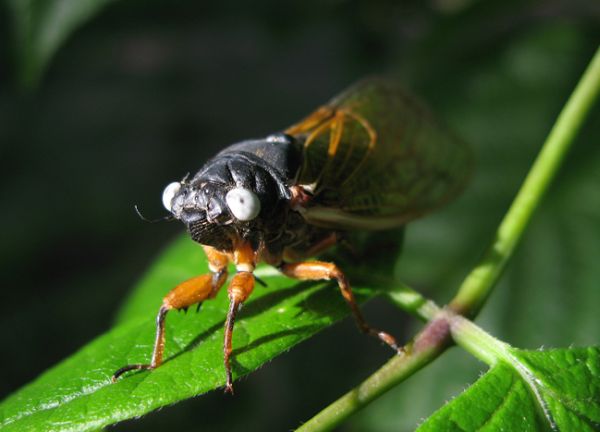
x: 169, y: 193
x: 243, y: 203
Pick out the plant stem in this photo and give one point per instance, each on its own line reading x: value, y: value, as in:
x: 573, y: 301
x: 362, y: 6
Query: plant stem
x: 411, y: 301
x: 426, y: 347
x: 480, y: 281
x: 435, y: 337
x: 477, y: 341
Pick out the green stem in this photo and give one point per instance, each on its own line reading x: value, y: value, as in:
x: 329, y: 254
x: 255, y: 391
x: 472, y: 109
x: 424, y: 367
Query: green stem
x: 478, y: 284
x: 477, y: 341
x: 435, y: 337
x: 425, y: 348
x: 411, y: 301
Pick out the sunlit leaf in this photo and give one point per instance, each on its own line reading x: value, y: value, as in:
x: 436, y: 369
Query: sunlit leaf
x: 78, y: 393
x: 542, y: 390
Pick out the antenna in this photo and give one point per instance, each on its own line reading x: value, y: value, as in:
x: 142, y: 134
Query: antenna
x: 169, y: 217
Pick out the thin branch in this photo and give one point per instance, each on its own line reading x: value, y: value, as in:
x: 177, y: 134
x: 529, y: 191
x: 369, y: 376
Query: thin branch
x: 412, y: 302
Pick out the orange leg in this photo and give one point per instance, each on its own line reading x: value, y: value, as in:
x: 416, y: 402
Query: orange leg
x: 318, y: 270
x: 187, y: 293
x: 239, y: 290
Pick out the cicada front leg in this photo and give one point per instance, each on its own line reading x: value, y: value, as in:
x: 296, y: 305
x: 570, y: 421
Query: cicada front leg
x: 319, y: 270
x: 240, y: 288
x: 190, y: 292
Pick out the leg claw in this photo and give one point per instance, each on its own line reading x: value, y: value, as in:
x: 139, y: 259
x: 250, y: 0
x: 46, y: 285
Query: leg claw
x: 129, y: 368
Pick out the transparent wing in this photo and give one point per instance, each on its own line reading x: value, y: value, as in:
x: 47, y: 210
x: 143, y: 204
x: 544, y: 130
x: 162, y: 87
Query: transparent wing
x: 375, y: 157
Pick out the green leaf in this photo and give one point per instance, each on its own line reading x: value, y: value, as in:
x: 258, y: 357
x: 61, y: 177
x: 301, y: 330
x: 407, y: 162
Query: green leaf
x: 41, y: 26
x: 78, y: 394
x: 540, y: 390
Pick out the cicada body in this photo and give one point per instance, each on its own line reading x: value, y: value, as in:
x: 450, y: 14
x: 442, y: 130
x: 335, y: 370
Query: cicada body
x: 372, y: 158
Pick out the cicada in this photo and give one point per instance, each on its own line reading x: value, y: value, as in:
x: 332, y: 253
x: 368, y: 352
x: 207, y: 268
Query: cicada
x: 372, y: 158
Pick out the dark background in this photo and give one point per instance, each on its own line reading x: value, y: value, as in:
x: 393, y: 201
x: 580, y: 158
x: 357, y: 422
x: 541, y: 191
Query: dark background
x: 146, y: 91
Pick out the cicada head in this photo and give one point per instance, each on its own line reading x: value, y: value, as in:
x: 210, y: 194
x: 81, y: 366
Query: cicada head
x: 237, y: 194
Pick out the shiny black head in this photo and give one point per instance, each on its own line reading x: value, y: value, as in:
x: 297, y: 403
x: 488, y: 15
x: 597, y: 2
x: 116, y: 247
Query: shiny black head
x: 241, y: 193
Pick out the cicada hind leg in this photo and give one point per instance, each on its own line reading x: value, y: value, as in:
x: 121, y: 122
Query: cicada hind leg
x: 319, y: 270
x: 190, y: 292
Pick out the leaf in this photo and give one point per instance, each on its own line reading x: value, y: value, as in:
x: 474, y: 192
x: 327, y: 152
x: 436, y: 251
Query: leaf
x: 42, y: 26
x: 541, y: 390
x: 78, y: 394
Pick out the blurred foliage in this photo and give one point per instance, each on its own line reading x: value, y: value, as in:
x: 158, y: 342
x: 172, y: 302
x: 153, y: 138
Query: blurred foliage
x: 40, y: 27
x: 147, y: 91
